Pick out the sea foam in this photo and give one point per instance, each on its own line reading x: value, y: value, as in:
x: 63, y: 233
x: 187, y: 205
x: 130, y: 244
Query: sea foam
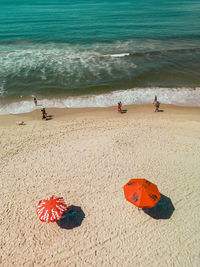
x: 182, y: 96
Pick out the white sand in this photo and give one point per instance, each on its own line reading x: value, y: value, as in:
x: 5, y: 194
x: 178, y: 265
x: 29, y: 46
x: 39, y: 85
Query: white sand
x: 86, y: 156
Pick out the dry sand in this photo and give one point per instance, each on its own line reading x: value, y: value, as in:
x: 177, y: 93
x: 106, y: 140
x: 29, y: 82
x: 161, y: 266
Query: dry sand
x: 86, y: 156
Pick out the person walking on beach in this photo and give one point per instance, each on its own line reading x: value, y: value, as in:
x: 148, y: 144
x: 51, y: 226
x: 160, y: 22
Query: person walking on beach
x: 120, y: 106
x: 35, y: 101
x: 156, y: 104
x: 44, y: 114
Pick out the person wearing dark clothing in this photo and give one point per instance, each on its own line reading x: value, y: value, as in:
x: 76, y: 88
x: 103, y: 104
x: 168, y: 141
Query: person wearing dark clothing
x: 44, y: 114
x: 35, y: 101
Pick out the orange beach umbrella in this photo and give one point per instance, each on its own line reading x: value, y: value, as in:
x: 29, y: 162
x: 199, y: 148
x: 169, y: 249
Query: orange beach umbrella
x: 142, y: 193
x: 51, y: 209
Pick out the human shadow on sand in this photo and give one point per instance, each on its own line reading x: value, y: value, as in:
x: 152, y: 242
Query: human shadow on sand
x: 49, y: 117
x: 163, y: 210
x: 123, y: 111
x: 72, y: 218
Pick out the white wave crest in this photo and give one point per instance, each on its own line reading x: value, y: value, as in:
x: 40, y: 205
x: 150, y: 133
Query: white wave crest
x: 118, y: 55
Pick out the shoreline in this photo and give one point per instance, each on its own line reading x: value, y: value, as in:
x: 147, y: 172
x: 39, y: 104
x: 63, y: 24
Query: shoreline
x: 59, y: 114
x: 138, y: 96
x: 131, y: 111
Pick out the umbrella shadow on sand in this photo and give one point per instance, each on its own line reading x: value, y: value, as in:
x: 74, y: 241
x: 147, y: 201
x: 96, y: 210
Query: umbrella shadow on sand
x: 72, y: 218
x: 163, y: 210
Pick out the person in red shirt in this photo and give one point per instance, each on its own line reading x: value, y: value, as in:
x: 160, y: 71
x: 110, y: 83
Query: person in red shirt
x: 120, y: 106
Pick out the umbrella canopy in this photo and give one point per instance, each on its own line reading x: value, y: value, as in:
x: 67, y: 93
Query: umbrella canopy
x: 142, y: 193
x: 51, y: 209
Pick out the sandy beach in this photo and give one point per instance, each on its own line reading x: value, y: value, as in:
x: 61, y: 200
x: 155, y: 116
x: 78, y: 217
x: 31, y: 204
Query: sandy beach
x: 87, y: 156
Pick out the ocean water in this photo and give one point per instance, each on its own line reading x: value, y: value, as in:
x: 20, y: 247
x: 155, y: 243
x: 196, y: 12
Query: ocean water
x: 85, y: 53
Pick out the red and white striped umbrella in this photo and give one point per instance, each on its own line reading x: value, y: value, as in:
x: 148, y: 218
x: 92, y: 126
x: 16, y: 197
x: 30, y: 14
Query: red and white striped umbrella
x: 51, y: 209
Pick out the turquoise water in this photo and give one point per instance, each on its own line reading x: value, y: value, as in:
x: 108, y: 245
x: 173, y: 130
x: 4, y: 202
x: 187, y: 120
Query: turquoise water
x: 94, y: 53
x: 97, y: 21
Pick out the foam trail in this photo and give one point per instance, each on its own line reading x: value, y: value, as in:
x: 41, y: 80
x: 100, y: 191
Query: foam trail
x: 182, y: 96
x: 117, y: 55
x: 17, y: 107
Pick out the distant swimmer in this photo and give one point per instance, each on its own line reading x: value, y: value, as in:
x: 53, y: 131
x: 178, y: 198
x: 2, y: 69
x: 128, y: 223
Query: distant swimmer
x: 35, y: 101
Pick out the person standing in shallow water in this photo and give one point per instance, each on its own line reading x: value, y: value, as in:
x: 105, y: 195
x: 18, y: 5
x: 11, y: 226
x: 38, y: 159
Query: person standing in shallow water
x: 35, y: 101
x: 155, y: 100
